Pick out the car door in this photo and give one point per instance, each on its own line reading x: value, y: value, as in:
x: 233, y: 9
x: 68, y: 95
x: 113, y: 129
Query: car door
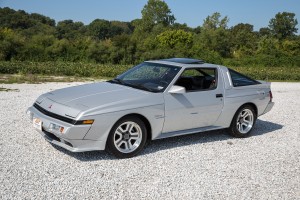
x: 200, y: 105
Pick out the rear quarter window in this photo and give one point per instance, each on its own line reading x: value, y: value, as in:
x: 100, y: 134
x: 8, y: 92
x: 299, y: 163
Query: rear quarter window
x: 240, y: 79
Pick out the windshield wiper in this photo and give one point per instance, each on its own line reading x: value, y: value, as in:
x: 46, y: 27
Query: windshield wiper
x: 142, y: 87
x: 139, y: 86
x: 117, y: 80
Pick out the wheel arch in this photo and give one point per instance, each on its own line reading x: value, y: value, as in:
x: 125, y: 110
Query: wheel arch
x: 245, y: 104
x: 232, y: 127
x: 249, y: 104
x: 144, y: 119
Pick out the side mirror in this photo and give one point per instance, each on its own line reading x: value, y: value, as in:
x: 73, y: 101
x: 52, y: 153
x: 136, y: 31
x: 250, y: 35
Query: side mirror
x: 175, y: 89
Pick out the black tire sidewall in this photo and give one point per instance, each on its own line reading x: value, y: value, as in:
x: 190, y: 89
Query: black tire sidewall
x: 110, y: 146
x: 233, y: 130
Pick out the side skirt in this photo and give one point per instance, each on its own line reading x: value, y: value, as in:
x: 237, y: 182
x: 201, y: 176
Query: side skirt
x: 188, y: 131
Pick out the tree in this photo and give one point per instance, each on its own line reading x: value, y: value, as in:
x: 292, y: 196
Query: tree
x: 42, y: 19
x: 283, y: 25
x: 184, y: 26
x: 69, y: 29
x: 99, y: 29
x: 264, y: 31
x: 175, y: 37
x: 35, y: 48
x: 156, y: 12
x: 268, y: 46
x: 10, y: 18
x: 243, y: 39
x: 118, y: 28
x: 214, y: 36
x: 214, y: 21
x: 99, y: 51
x: 10, y: 44
x: 291, y: 47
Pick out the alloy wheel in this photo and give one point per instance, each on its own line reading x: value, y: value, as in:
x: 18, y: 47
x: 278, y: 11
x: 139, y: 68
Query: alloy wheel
x: 245, y: 121
x: 127, y: 137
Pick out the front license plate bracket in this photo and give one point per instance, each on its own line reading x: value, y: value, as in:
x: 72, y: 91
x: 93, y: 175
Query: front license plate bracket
x: 37, y: 123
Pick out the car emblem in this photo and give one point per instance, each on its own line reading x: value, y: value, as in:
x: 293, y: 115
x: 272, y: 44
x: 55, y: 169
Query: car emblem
x: 50, y: 106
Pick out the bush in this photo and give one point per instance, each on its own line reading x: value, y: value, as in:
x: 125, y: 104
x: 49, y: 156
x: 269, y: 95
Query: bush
x: 260, y: 72
x: 63, y: 69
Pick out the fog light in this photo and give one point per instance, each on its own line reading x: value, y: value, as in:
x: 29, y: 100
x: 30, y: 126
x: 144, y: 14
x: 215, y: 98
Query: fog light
x: 54, y: 127
x: 57, y: 128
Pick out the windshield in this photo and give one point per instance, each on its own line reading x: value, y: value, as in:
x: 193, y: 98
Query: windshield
x: 152, y: 77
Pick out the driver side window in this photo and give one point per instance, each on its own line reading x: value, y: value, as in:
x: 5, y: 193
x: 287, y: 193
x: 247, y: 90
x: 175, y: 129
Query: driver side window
x: 197, y: 79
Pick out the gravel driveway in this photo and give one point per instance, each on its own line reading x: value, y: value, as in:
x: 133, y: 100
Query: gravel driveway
x: 209, y: 165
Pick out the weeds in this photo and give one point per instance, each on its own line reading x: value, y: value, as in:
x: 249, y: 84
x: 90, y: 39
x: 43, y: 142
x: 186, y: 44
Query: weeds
x: 34, y: 72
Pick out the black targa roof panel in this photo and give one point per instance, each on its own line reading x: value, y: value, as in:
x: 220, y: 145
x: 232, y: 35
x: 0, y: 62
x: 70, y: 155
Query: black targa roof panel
x: 184, y: 60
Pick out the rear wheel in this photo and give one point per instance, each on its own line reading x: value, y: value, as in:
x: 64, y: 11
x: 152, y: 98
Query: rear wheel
x: 243, y: 122
x: 127, y: 137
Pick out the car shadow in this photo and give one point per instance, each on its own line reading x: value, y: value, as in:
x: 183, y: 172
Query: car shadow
x: 261, y: 127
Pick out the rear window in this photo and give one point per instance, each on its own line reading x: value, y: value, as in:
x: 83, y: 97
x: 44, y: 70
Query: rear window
x: 240, y: 79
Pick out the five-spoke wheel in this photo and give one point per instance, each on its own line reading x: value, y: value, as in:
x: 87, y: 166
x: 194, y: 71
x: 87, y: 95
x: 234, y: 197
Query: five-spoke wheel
x: 243, y: 121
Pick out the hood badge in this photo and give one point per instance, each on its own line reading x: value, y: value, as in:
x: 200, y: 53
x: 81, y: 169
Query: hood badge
x: 50, y: 106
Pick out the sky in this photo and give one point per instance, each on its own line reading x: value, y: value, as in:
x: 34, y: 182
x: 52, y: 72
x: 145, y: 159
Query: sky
x: 191, y: 12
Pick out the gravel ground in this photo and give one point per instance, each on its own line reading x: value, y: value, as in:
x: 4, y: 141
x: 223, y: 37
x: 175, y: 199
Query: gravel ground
x: 209, y: 165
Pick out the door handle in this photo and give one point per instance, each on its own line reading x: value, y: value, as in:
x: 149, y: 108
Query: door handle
x: 219, y: 95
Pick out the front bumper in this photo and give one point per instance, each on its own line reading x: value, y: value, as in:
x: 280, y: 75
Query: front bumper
x: 72, y: 137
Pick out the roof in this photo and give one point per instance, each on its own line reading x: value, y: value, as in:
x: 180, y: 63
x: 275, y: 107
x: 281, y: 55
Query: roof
x: 184, y: 60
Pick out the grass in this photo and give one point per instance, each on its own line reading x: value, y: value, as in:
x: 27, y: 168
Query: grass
x: 36, y: 72
x: 271, y: 73
x: 37, y: 78
x: 78, y: 69
x: 2, y: 89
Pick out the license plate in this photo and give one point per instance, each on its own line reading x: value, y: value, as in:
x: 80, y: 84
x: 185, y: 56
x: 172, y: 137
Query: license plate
x: 37, y: 123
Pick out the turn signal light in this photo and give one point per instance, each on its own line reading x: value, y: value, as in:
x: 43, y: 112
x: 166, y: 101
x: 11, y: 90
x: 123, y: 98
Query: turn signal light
x: 90, y: 121
x: 85, y: 122
x: 61, y: 129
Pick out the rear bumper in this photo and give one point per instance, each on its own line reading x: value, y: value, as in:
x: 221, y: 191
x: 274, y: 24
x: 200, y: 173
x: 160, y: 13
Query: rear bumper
x: 72, y: 138
x: 269, y: 107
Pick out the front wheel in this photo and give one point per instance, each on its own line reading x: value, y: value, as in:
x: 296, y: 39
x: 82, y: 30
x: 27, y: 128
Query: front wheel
x: 243, y: 122
x: 127, y: 137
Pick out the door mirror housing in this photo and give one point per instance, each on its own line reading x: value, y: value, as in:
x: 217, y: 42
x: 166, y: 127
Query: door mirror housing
x: 175, y: 89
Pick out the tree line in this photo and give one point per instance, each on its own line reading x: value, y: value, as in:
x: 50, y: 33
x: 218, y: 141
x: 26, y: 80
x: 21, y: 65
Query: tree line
x: 34, y: 37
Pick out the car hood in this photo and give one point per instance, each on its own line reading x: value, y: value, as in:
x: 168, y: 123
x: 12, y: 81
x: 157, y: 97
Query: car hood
x: 96, y: 98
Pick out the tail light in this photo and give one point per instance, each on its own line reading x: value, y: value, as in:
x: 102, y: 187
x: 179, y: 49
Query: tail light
x: 271, y: 96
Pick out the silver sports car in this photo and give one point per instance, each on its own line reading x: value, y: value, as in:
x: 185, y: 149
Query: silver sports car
x: 153, y: 100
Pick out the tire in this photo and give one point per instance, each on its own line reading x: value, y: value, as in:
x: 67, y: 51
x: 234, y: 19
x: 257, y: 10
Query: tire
x: 127, y: 137
x: 243, y: 122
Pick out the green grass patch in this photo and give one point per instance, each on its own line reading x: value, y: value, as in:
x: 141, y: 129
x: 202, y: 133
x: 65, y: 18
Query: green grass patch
x: 271, y: 73
x: 2, y: 89
x: 35, y: 72
x: 37, y: 78
x: 78, y: 69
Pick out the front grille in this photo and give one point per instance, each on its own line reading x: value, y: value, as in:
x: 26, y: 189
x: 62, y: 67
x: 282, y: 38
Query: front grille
x: 53, y: 115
